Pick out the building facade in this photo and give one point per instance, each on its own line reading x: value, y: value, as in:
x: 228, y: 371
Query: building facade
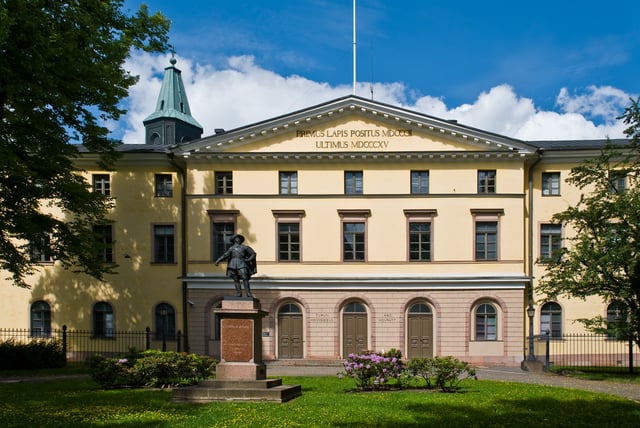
x: 375, y: 227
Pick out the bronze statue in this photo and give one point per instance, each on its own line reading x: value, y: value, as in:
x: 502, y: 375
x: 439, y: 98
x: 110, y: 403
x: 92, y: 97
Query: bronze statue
x: 241, y: 264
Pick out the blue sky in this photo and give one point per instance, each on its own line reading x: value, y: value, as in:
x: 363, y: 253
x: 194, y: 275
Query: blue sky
x: 507, y: 67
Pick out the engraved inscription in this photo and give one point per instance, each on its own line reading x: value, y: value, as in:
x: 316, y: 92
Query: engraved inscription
x: 236, y: 340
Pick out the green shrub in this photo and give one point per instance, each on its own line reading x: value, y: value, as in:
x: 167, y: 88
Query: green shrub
x: 151, y: 369
x: 422, y: 368
x: 449, y: 372
x: 36, y: 354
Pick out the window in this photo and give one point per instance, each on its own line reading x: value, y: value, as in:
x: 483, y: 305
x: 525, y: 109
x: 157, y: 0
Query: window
x: 486, y: 240
x: 419, y: 182
x: 104, y: 236
x: 224, y: 183
x: 550, y: 241
x: 355, y: 308
x: 164, y: 185
x: 223, y: 227
x: 616, y: 320
x: 288, y: 182
x: 288, y: 242
x: 550, y: 183
x: 102, y: 184
x: 40, y: 319
x: 420, y: 241
x: 551, y: 319
x: 163, y: 244
x: 165, y: 321
x: 617, y: 181
x: 40, y: 250
x: 486, y: 322
x: 103, y: 321
x: 353, y: 241
x: 353, y: 182
x: 487, y: 181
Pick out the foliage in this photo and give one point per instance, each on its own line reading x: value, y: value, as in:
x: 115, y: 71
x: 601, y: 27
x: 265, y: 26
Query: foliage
x: 603, y: 258
x: 78, y: 403
x: 153, y: 369
x: 62, y: 78
x: 36, y: 354
x: 444, y: 373
x: 372, y: 370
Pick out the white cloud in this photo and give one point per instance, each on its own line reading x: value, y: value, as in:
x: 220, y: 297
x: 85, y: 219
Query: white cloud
x: 241, y: 92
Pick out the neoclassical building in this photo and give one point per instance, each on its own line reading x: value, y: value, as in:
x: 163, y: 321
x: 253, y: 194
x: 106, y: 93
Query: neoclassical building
x: 376, y: 227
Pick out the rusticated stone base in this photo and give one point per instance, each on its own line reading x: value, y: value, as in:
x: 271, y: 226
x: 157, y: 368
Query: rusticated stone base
x: 271, y: 390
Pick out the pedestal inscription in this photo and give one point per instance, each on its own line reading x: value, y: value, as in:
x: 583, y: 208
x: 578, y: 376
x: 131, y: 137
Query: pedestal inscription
x: 237, y: 345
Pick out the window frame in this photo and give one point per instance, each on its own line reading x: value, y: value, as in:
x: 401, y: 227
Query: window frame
x: 163, y: 185
x: 40, y: 319
x: 103, y: 321
x: 354, y: 217
x: 101, y: 183
x: 168, y: 321
x: 550, y: 183
x: 160, y: 241
x: 223, y: 182
x: 420, y: 217
x: 353, y: 183
x: 554, y: 326
x: 485, y: 334
x: 551, y: 241
x: 484, y: 215
x: 420, y: 182
x: 40, y: 253
x: 618, y: 181
x: 288, y: 182
x: 104, y: 235
x: 221, y: 239
x: 288, y: 217
x: 487, y: 180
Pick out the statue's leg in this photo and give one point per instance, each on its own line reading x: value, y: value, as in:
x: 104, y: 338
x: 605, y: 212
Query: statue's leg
x: 244, y: 274
x: 236, y: 282
x: 247, y: 287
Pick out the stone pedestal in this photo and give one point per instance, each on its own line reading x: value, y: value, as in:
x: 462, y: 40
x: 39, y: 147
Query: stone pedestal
x: 241, y: 374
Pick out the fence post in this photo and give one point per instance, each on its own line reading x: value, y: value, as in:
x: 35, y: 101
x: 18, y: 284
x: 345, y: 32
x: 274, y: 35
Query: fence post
x: 547, y: 352
x: 148, y: 339
x: 178, y: 336
x: 64, y: 343
x: 631, y: 356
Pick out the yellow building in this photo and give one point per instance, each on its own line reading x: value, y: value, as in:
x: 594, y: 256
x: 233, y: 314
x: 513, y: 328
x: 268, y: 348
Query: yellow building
x: 375, y: 227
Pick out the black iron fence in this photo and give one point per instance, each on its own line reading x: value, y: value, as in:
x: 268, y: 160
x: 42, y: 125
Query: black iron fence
x: 593, y: 351
x: 78, y: 345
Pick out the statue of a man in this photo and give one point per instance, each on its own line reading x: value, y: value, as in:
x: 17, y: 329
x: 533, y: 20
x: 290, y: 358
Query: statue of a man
x: 241, y: 264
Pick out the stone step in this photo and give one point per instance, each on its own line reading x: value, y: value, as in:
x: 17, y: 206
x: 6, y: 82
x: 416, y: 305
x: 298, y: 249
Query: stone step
x: 213, y: 392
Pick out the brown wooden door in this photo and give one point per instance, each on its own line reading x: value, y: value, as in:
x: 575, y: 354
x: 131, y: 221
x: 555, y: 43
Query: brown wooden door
x: 354, y: 334
x: 290, y: 336
x: 420, y: 332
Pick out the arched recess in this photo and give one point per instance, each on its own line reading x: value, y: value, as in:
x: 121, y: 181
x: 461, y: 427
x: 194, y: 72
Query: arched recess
x: 419, y: 330
x: 355, y: 332
x: 290, y: 331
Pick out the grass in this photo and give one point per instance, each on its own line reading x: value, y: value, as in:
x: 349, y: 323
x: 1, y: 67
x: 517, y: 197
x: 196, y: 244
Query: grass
x: 325, y: 402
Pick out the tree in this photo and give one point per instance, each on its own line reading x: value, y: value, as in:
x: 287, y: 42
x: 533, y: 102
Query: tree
x: 62, y: 78
x: 603, y: 258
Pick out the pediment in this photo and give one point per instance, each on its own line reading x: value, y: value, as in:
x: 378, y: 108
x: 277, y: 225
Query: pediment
x: 354, y: 126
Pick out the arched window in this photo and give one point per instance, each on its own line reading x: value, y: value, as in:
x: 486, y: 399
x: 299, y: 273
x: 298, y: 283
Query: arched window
x: 355, y: 308
x: 616, y: 318
x: 289, y: 309
x: 551, y: 319
x: 165, y: 321
x: 103, y: 321
x: 419, y: 308
x: 40, y: 319
x: 486, y: 322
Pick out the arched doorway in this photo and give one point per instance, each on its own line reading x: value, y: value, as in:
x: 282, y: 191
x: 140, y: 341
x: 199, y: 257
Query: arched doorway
x: 354, y: 329
x: 419, y: 331
x: 290, y: 331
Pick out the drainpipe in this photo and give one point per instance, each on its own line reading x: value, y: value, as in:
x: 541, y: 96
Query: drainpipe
x: 530, y: 308
x: 182, y: 174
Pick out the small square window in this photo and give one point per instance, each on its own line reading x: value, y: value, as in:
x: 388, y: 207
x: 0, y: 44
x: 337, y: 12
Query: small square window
x: 419, y: 182
x: 486, y: 181
x: 224, y: 183
x: 550, y: 183
x: 102, y: 184
x: 164, y: 185
x: 353, y: 182
x: 288, y: 182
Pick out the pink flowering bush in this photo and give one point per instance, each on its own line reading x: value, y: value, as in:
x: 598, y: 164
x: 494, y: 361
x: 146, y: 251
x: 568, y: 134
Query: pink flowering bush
x: 372, y: 370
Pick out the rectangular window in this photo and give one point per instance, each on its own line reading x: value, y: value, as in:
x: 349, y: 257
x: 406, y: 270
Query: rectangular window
x: 224, y: 183
x: 486, y: 240
x: 420, y: 241
x: 222, y: 233
x: 487, y: 181
x: 164, y: 185
x: 102, y: 184
x: 41, y: 249
x: 550, y: 240
x: 104, y: 236
x: 288, y: 182
x: 550, y: 183
x: 617, y: 181
x: 164, y: 244
x: 289, y: 242
x: 419, y: 182
x: 353, y: 182
x: 353, y: 241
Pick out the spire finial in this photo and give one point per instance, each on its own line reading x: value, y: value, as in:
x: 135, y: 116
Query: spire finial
x: 173, y: 56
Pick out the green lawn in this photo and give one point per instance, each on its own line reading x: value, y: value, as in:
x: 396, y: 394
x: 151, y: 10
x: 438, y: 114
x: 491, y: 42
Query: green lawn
x: 325, y: 402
